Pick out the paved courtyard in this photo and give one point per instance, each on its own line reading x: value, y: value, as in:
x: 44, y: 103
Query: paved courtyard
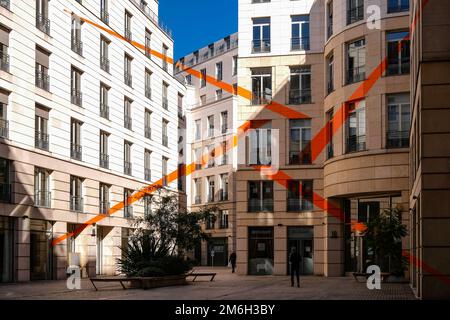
x: 227, y: 286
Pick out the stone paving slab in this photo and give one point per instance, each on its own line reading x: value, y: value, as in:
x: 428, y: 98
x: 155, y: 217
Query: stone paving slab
x: 227, y: 286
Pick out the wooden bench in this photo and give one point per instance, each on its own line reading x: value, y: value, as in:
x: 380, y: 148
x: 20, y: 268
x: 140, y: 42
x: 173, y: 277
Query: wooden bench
x: 114, y: 279
x: 383, y: 275
x: 202, y: 274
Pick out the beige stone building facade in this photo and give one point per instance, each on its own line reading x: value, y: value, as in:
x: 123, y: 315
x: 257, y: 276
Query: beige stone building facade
x: 85, y: 122
x: 312, y: 58
x: 429, y: 150
x: 211, y: 123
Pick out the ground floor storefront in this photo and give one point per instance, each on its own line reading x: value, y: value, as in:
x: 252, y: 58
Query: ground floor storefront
x: 27, y: 252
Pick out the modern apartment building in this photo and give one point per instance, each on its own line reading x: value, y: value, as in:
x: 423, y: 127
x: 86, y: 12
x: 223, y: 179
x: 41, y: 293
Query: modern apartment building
x: 211, y: 123
x: 85, y: 121
x: 342, y: 141
x: 430, y: 149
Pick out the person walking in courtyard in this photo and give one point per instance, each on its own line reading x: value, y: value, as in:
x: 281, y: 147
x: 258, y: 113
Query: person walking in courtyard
x: 233, y: 261
x: 294, y: 262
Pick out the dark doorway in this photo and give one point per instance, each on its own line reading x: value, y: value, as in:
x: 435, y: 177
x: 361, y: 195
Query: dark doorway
x: 6, y: 249
x: 302, y: 239
x: 41, y: 253
x: 260, y: 251
x: 219, y: 248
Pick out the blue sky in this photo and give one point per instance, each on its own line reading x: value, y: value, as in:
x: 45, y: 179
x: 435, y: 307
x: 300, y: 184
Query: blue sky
x: 197, y: 23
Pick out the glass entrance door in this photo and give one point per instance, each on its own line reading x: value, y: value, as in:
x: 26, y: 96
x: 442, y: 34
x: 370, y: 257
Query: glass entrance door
x: 219, y: 246
x: 6, y: 249
x: 301, y: 238
x: 99, y: 258
x: 41, y: 253
x: 260, y: 251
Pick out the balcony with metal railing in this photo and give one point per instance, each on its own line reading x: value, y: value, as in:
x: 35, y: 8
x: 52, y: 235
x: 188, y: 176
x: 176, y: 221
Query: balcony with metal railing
x: 76, y: 203
x: 210, y: 198
x: 42, y: 80
x: 148, y: 12
x: 104, y: 111
x: 41, y: 140
x: 104, y: 64
x: 223, y: 195
x: 297, y: 205
x: 127, y: 122
x: 299, y: 43
x: 355, y: 143
x: 128, y: 211
x: 355, y: 14
x: 300, y: 157
x: 4, y: 62
x: 104, y: 16
x: 128, y: 79
x: 42, y: 199
x: 128, y: 35
x: 76, y: 97
x: 5, y: 4
x: 148, y: 92
x: 356, y: 74
x: 299, y: 96
x: 329, y: 30
x: 397, y: 139
x: 198, y: 200
x: 4, y: 128
x: 148, y: 132
x: 224, y: 159
x: 43, y: 23
x: 261, y: 46
x: 5, y: 192
x: 104, y: 207
x: 77, y: 46
x: 127, y: 168
x: 147, y: 174
x: 262, y: 99
x: 330, y: 87
x: 76, y: 151
x: 165, y: 140
x: 258, y: 205
x: 165, y: 103
x: 104, y: 160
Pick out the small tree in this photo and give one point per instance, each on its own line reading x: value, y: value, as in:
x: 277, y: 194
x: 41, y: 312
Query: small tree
x: 384, y: 237
x: 163, y: 236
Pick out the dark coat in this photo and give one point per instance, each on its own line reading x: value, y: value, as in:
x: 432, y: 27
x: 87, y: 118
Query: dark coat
x: 294, y: 259
x: 233, y: 258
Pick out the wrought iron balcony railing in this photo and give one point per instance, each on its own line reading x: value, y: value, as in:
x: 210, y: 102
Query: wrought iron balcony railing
x: 4, y: 128
x: 356, y: 74
x: 299, y: 96
x: 300, y: 43
x: 127, y: 122
x: 397, y: 139
x: 165, y: 103
x: 147, y: 174
x: 257, y: 205
x: 148, y: 132
x: 42, y: 199
x: 261, y: 46
x: 42, y: 80
x: 148, y: 92
x: 76, y: 151
x: 43, y: 23
x: 198, y: 200
x: 76, y: 98
x: 355, y: 143
x: 104, y: 160
x: 104, y: 207
x: 42, y: 140
x: 76, y: 203
x: 165, y: 140
x: 5, y: 4
x: 104, y: 111
x: 104, y: 64
x: 128, y: 79
x: 104, y: 16
x: 127, y: 168
x: 77, y: 46
x: 223, y: 195
x: 4, y: 62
